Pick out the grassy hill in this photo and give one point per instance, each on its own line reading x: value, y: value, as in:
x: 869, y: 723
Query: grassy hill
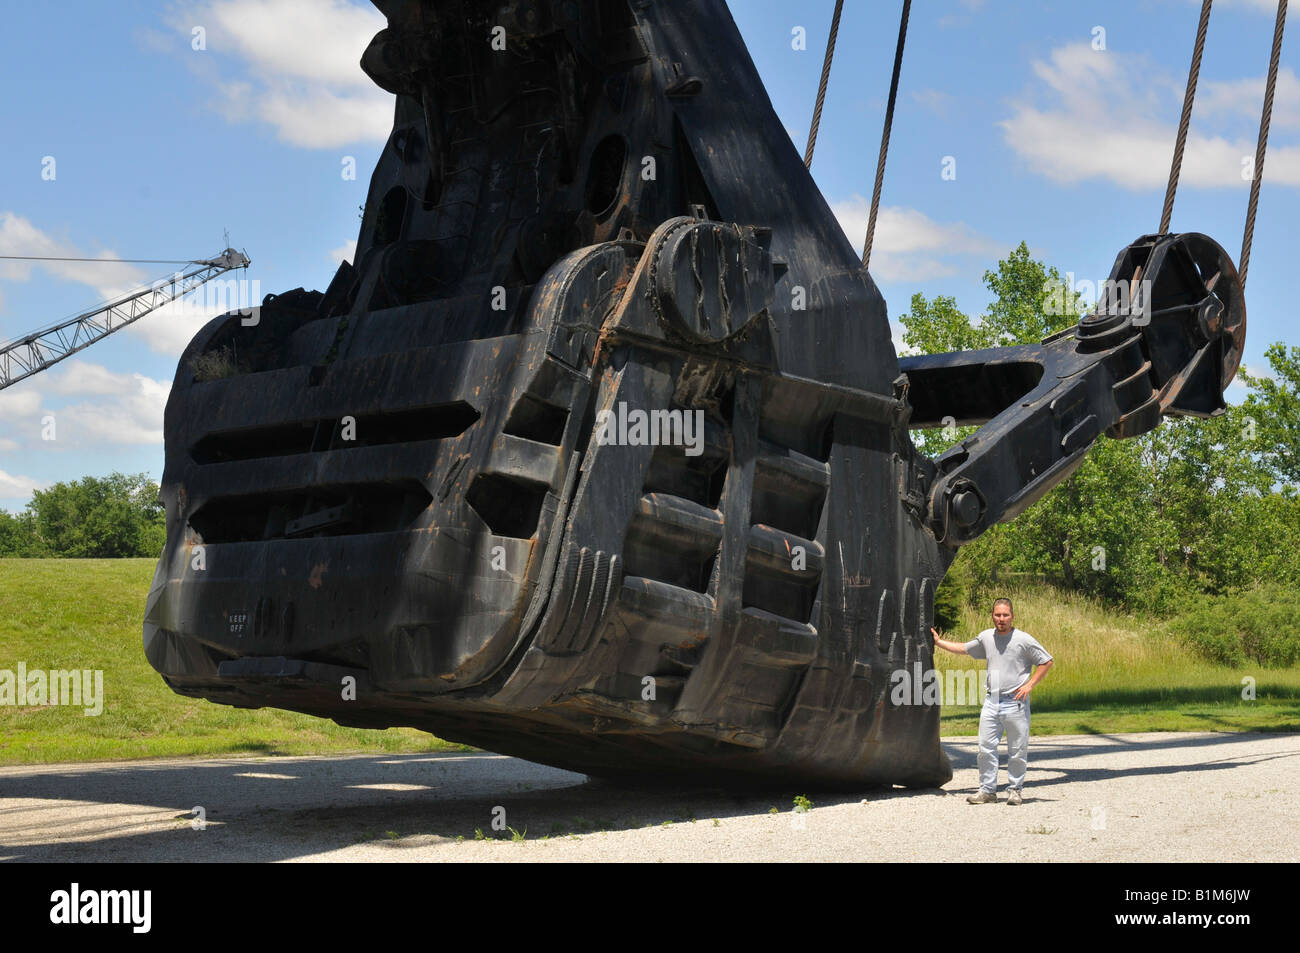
x: 1112, y: 673
x: 86, y: 613
x: 1115, y: 672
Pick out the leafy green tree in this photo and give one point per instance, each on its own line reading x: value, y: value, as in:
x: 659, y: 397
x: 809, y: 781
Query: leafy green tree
x: 117, y: 515
x: 1087, y: 532
x: 18, y: 535
x: 1255, y: 626
x: 1030, y: 301
x: 937, y: 327
x: 1274, y: 409
x: 953, y: 594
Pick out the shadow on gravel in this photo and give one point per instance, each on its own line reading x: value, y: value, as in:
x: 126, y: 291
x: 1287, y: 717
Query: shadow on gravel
x: 1043, y: 749
x: 285, y: 808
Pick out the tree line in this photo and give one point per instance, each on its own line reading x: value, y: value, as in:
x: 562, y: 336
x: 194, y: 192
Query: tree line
x: 113, y: 516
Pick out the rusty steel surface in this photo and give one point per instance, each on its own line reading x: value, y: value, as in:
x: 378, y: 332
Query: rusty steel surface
x: 599, y: 453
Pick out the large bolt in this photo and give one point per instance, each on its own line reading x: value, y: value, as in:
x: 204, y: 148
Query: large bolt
x: 966, y: 508
x: 1210, y: 317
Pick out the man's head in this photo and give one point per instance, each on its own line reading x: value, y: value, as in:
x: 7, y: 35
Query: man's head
x: 1002, y: 615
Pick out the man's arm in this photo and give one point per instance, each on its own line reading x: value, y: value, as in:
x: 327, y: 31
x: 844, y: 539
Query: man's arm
x: 1040, y: 671
x: 956, y: 648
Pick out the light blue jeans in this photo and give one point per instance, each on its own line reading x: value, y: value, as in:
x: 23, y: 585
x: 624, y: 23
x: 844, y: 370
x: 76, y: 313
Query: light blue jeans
x: 997, y: 716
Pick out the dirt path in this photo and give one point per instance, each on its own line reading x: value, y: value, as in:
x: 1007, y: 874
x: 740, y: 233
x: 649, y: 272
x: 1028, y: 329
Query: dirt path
x: 1150, y: 797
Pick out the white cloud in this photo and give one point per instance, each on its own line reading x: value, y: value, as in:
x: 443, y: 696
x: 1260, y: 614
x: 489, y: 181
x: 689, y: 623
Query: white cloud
x: 935, y: 100
x: 345, y: 252
x: 108, y: 409
x: 77, y: 378
x: 18, y: 236
x: 1245, y: 98
x: 133, y: 419
x: 958, y: 19
x: 322, y: 118
x: 1256, y: 370
x: 1239, y: 387
x: 20, y: 421
x: 317, y: 40
x: 13, y: 486
x: 20, y: 403
x: 170, y: 328
x: 1092, y: 123
x: 909, y: 245
x: 1262, y: 6
x: 300, y: 67
x: 166, y: 330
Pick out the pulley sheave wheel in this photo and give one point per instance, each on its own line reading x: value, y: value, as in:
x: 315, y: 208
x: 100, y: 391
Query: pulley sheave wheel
x: 1182, y: 295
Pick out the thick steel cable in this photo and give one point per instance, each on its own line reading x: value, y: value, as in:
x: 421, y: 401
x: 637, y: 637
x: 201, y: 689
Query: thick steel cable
x: 1175, y: 166
x: 1262, y: 144
x: 884, y: 137
x: 821, y: 88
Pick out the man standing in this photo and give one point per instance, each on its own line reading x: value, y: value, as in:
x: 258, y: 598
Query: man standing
x: 1012, y: 655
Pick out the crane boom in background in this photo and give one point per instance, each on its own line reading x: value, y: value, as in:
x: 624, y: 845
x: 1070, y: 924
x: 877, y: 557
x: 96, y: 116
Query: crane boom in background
x: 35, y: 352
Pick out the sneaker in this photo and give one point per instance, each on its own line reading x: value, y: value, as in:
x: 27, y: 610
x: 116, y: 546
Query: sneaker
x: 984, y: 797
x: 1014, y: 796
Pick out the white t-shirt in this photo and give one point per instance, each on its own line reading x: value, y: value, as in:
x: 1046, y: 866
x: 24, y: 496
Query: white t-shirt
x: 1011, y: 658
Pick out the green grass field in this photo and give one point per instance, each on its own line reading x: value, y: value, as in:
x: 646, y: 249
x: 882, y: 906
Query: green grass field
x: 86, y: 613
x: 1112, y: 674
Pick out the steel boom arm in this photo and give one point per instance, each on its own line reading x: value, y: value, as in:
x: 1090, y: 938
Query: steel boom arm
x: 35, y: 352
x: 1168, y: 343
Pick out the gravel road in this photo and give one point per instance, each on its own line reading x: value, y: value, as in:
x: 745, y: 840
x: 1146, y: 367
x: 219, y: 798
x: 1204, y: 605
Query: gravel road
x: 1132, y: 797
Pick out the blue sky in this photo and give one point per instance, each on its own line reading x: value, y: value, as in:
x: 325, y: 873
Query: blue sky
x: 159, y: 147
